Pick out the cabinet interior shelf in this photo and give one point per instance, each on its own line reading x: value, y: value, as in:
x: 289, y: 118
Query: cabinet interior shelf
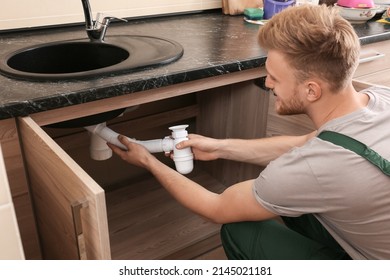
x: 145, y: 222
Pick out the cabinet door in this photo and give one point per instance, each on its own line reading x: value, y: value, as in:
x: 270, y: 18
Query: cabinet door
x: 378, y: 78
x: 373, y: 58
x: 374, y: 64
x: 69, y: 205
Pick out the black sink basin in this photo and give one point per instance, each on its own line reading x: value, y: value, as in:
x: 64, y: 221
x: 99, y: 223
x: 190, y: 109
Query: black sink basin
x: 65, y: 58
x: 80, y: 59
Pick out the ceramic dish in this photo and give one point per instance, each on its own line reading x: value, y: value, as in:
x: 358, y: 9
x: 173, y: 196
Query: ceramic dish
x: 382, y: 2
x: 357, y: 15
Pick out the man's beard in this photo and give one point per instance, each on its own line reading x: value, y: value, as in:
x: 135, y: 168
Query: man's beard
x: 292, y: 106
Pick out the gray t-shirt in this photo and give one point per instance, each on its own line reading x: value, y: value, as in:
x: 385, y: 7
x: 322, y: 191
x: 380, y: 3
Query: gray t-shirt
x: 347, y: 194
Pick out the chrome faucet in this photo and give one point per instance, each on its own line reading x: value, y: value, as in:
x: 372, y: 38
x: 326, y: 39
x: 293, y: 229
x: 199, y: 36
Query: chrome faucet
x: 96, y: 31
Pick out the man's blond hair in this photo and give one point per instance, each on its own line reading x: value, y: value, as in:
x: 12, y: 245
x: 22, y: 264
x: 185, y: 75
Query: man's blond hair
x: 316, y: 41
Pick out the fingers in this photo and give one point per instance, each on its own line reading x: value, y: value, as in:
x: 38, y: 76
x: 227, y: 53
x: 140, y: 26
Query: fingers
x: 116, y: 149
x: 124, y: 140
x: 187, y: 143
x: 119, y: 150
x: 183, y: 144
x: 168, y: 154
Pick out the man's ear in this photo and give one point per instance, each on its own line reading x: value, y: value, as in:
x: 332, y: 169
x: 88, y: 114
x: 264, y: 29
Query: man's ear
x: 313, y: 91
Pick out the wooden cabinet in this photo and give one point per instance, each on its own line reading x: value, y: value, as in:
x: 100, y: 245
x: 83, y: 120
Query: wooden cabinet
x: 379, y: 78
x: 374, y: 64
x: 110, y: 209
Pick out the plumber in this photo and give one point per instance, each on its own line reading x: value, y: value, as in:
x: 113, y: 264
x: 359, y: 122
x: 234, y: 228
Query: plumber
x: 334, y: 203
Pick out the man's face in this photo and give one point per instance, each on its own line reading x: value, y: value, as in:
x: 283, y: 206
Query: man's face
x: 284, y: 86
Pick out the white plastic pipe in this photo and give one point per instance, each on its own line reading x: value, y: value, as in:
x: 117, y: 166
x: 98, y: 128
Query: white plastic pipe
x: 98, y: 149
x: 183, y: 158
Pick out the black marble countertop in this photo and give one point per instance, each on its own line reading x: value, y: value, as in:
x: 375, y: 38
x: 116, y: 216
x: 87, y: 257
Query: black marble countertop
x: 214, y: 44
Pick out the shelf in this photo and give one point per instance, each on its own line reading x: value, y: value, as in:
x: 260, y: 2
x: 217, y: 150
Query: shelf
x: 145, y: 222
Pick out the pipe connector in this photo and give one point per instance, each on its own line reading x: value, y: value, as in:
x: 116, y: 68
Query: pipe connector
x: 183, y: 158
x: 98, y: 149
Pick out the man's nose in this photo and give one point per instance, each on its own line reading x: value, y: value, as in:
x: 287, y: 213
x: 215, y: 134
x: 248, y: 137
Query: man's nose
x: 268, y: 83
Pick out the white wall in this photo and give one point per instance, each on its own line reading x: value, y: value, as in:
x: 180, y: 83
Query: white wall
x: 32, y: 13
x: 10, y: 242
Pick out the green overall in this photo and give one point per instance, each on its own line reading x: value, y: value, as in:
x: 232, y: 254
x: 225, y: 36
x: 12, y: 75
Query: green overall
x: 299, y: 238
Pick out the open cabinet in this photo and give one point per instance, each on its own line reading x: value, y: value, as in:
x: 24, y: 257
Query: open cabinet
x: 112, y: 210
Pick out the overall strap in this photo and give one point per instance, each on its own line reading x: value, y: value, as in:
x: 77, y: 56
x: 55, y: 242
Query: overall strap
x: 357, y: 147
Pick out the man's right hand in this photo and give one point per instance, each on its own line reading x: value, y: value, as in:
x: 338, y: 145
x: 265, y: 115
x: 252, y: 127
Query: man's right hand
x: 203, y: 148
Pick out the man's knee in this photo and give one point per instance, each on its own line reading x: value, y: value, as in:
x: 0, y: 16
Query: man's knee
x: 230, y: 237
x: 243, y: 240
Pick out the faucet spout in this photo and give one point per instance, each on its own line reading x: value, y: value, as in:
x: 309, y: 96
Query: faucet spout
x: 96, y: 30
x: 87, y: 14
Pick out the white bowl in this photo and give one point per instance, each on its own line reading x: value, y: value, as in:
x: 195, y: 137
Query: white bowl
x: 382, y: 2
x: 357, y: 15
